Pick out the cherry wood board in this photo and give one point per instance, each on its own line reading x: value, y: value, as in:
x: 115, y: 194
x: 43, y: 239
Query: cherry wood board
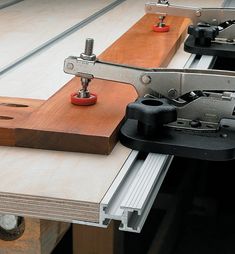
x: 59, y: 125
x: 142, y: 47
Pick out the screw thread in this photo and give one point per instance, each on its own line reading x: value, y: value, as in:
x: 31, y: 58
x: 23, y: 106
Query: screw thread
x: 89, y: 47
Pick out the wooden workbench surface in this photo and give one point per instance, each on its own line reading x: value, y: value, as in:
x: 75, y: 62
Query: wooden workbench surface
x: 29, y: 175
x: 31, y: 23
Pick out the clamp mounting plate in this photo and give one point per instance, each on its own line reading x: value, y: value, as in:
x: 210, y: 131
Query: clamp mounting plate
x: 216, y: 48
x: 213, y: 146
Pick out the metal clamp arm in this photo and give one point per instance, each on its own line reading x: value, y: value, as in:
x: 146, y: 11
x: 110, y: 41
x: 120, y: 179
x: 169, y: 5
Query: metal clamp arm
x: 170, y: 83
x: 174, y: 83
x: 107, y: 71
x: 212, y: 16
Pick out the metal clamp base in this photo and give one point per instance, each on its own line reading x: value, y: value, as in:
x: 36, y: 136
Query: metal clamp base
x: 216, y: 49
x: 213, y: 146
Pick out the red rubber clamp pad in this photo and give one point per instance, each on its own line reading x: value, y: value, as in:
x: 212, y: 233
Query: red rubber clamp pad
x: 161, y: 29
x: 83, y: 101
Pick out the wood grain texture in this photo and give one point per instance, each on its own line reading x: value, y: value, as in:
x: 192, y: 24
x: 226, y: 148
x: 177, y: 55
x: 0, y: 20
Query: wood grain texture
x: 142, y: 47
x: 39, y: 237
x: 87, y: 239
x: 57, y: 185
x: 32, y: 22
x: 13, y: 112
x: 59, y: 125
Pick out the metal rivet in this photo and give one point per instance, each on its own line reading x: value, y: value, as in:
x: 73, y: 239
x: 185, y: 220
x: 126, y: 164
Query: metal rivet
x: 172, y: 93
x: 70, y: 66
x: 195, y: 124
x: 223, y: 135
x: 145, y: 79
x: 214, y: 21
x: 198, y: 13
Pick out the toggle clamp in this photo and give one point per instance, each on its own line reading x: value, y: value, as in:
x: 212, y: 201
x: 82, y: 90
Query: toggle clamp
x: 183, y: 112
x: 212, y: 31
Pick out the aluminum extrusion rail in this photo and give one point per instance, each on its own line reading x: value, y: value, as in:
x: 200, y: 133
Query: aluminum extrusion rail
x: 133, y: 192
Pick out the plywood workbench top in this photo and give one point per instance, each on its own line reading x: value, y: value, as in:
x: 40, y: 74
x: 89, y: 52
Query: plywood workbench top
x: 72, y: 176
x: 31, y: 176
x: 30, y: 23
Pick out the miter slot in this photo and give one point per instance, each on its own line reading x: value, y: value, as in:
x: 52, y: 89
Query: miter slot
x: 60, y: 36
x: 9, y: 3
x: 228, y: 3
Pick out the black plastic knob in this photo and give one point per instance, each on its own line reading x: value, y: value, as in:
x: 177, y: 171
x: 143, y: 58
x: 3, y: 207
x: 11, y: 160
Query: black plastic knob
x: 151, y: 114
x: 203, y: 34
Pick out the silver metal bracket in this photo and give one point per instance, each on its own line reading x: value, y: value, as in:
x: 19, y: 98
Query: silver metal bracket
x: 211, y: 16
x: 133, y: 192
x: 170, y: 83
